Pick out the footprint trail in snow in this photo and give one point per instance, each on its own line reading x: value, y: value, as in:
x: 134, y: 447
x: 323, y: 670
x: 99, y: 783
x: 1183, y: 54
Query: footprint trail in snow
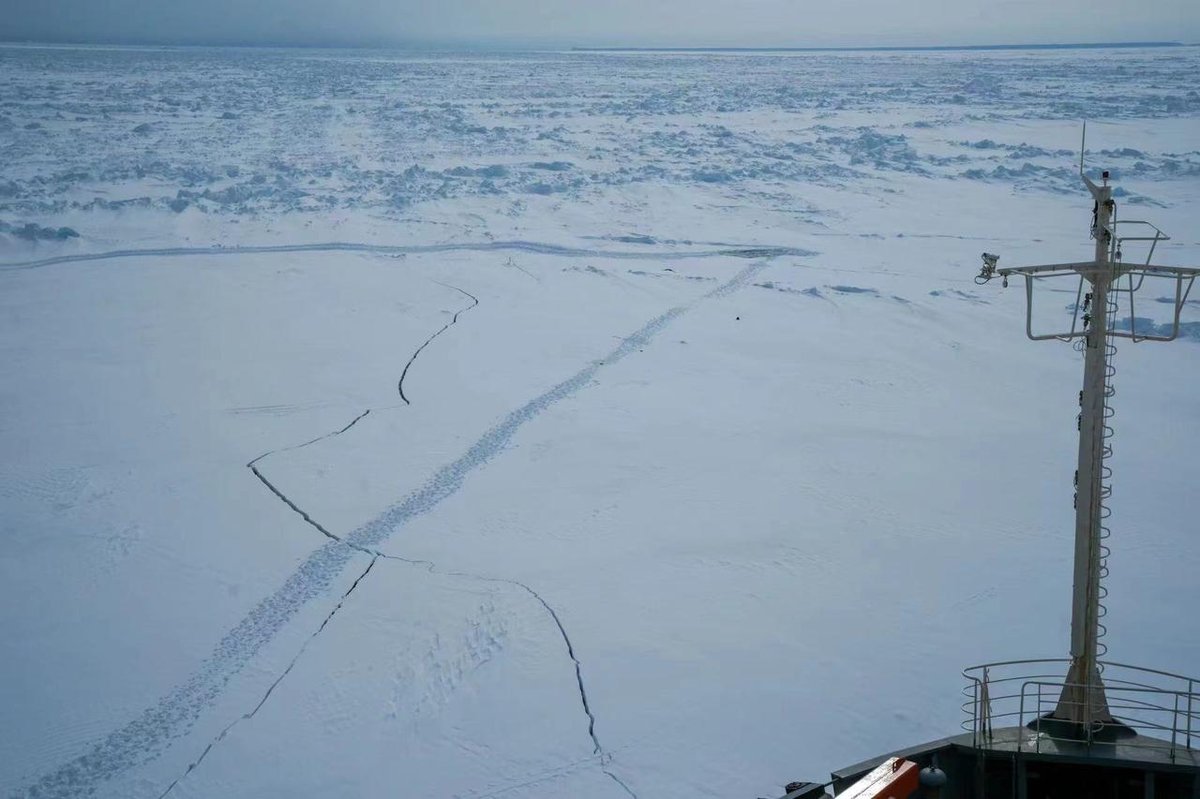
x: 173, y: 716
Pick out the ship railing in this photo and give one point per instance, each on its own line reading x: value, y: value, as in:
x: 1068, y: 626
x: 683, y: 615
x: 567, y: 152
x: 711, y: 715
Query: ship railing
x: 1161, y: 707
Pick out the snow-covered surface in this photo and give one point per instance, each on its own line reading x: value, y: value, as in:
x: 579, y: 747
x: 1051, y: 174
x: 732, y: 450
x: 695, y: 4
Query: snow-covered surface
x: 557, y: 424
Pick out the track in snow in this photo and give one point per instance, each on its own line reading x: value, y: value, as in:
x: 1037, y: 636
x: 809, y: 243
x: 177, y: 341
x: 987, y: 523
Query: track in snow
x: 174, y: 715
x: 271, y: 689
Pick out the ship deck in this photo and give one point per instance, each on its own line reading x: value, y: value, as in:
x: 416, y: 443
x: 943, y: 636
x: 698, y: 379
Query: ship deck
x: 1023, y: 763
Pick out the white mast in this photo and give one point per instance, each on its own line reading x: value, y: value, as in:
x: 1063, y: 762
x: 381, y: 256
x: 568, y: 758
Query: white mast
x: 1083, y: 700
x: 1094, y: 327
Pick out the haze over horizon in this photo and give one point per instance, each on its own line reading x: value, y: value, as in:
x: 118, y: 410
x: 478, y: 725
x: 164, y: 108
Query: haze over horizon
x: 615, y: 23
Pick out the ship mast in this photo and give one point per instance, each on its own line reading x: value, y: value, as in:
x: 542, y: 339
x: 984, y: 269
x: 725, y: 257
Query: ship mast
x: 1094, y: 327
x: 1083, y: 700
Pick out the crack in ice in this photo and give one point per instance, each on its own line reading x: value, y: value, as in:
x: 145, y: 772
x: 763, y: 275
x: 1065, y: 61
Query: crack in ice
x: 252, y: 465
x: 353, y: 422
x: 247, y: 716
x: 373, y: 554
x: 174, y: 714
x: 598, y: 750
x: 750, y: 251
x: 428, y: 341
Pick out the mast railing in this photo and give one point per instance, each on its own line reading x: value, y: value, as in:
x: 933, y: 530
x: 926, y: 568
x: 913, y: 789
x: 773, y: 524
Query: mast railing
x: 1161, y: 707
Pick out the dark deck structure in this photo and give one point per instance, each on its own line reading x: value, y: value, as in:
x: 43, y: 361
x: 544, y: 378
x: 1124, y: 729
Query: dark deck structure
x: 1151, y: 752
x: 1020, y: 763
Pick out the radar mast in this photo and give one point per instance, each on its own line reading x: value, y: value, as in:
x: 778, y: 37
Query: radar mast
x: 1105, y: 285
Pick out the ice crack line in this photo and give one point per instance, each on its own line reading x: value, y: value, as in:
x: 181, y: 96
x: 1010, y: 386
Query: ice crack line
x: 353, y: 422
x: 147, y: 735
x: 597, y: 748
x: 445, y: 327
x: 270, y: 689
x: 416, y: 249
x: 432, y: 568
x: 304, y: 514
x: 373, y: 554
x: 252, y: 465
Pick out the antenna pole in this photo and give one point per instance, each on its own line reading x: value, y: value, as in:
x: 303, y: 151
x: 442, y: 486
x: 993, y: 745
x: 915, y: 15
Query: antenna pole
x: 1083, y: 701
x: 1082, y: 149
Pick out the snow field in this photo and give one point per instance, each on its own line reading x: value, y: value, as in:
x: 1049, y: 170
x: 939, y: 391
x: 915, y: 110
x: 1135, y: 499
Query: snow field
x: 703, y: 419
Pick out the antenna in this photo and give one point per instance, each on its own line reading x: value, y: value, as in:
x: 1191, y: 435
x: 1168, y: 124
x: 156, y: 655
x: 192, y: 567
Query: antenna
x: 1094, y: 328
x: 1082, y: 149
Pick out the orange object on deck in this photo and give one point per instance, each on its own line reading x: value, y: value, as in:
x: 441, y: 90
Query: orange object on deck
x: 892, y: 779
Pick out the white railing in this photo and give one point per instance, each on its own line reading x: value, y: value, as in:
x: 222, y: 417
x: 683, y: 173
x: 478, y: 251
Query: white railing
x: 1162, y: 708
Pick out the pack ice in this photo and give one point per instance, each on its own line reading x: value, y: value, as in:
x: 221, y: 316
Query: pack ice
x: 557, y: 424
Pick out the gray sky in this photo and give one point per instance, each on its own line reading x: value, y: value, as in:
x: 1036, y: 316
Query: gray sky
x: 601, y: 22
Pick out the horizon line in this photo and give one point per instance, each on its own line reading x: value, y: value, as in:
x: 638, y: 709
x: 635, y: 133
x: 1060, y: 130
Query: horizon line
x: 886, y: 48
x: 449, y: 45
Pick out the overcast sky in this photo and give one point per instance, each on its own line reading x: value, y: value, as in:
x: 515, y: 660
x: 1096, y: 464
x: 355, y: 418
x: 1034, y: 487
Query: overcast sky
x: 752, y: 23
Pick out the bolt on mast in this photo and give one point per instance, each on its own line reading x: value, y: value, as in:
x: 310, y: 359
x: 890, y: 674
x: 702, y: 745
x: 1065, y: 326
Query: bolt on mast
x: 1082, y: 702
